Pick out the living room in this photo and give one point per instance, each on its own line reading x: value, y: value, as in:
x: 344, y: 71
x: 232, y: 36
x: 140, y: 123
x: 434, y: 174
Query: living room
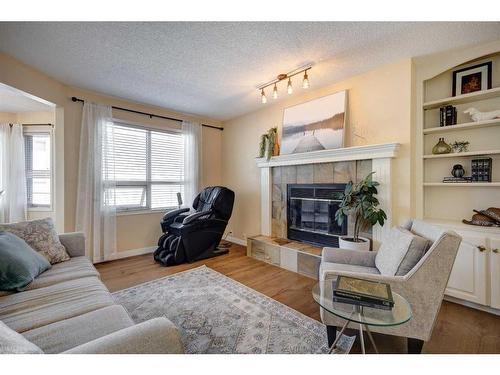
x: 250, y: 188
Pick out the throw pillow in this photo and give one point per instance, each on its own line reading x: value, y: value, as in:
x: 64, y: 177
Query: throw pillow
x: 418, y: 247
x: 41, y: 236
x: 393, y: 251
x: 12, y: 342
x: 19, y: 263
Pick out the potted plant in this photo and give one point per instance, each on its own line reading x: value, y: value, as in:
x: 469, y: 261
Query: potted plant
x: 269, y: 144
x: 359, y: 200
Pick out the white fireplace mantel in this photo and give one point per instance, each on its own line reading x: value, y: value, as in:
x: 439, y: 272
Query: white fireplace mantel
x: 385, y: 150
x: 380, y: 154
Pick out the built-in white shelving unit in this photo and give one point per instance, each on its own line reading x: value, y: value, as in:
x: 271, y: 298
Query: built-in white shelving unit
x: 466, y: 98
x: 464, y: 126
x: 463, y: 154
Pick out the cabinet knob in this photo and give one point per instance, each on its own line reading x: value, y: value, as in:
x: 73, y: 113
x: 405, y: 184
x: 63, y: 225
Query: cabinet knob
x: 481, y: 248
x: 496, y: 251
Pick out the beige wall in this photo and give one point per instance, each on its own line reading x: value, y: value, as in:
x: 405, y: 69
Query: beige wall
x: 379, y: 111
x: 134, y: 231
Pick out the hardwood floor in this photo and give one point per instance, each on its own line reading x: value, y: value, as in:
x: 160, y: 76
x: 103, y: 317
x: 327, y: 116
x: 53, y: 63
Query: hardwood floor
x: 459, y: 329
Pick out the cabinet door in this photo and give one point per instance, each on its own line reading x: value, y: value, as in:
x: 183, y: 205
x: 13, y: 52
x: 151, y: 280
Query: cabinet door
x: 495, y: 271
x: 469, y: 274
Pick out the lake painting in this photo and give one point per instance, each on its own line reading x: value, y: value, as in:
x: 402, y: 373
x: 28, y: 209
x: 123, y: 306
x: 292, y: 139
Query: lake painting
x: 314, y: 125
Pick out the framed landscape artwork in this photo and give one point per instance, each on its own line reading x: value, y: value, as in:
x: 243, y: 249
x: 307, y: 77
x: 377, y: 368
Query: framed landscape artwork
x: 315, y: 125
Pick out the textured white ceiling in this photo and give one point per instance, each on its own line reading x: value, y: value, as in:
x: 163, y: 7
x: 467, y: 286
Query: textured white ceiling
x: 212, y: 68
x: 15, y: 101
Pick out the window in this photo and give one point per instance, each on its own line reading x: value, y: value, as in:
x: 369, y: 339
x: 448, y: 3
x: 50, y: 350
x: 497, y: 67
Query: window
x: 148, y: 167
x: 38, y: 159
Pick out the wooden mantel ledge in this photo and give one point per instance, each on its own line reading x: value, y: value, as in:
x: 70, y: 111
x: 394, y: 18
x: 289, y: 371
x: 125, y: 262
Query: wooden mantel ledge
x: 385, y: 150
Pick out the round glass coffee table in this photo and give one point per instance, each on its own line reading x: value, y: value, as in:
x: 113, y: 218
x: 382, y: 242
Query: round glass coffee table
x: 362, y: 315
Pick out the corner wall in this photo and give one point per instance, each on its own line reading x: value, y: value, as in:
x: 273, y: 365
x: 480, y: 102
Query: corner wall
x: 379, y: 111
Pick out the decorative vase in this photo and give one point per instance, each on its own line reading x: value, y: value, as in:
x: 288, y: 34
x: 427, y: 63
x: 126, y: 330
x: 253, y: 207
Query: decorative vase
x: 346, y: 242
x: 458, y: 171
x: 441, y: 147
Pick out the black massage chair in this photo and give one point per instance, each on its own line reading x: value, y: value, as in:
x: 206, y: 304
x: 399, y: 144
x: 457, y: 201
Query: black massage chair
x: 188, y: 237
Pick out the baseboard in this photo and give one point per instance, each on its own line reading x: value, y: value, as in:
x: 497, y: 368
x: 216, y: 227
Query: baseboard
x: 472, y: 305
x: 131, y: 253
x: 236, y: 240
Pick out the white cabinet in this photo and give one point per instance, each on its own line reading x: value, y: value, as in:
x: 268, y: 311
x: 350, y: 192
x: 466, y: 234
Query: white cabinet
x: 468, y: 279
x: 495, y: 272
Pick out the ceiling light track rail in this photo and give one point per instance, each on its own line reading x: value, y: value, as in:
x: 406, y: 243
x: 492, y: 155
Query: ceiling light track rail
x: 151, y: 115
x: 282, y: 77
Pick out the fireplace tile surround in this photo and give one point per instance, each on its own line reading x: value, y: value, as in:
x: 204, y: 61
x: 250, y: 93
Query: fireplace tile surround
x: 323, y: 173
x: 325, y: 166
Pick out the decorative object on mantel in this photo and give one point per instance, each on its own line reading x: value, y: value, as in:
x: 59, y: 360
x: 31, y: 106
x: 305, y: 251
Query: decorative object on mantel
x: 460, y: 146
x: 477, y: 115
x: 269, y: 144
x: 485, y: 218
x: 472, y: 79
x: 481, y: 169
x: 359, y: 200
x: 447, y: 115
x: 441, y: 147
x: 282, y: 77
x: 314, y: 125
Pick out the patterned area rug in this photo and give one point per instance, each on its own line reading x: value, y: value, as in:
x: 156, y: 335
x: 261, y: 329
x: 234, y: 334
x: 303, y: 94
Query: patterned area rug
x: 216, y: 314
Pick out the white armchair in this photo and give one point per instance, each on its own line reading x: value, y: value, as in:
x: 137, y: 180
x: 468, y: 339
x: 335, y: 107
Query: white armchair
x: 423, y: 285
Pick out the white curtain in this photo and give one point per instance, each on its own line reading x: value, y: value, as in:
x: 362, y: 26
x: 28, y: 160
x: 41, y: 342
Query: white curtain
x: 95, y: 208
x: 192, y: 160
x: 13, y: 197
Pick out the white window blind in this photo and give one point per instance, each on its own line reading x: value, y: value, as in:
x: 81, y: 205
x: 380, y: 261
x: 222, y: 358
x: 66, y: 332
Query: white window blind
x: 148, y: 167
x: 38, y: 161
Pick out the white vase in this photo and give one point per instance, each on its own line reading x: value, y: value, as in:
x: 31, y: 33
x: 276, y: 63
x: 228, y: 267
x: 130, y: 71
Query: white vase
x: 351, y: 245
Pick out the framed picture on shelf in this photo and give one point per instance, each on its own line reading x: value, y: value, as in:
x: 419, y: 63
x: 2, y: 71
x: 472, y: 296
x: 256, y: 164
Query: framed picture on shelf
x: 472, y: 79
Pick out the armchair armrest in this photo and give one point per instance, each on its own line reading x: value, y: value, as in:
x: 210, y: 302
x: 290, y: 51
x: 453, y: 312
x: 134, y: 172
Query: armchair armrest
x: 344, y: 256
x: 74, y: 243
x: 155, y: 336
x: 174, y: 213
x: 196, y: 216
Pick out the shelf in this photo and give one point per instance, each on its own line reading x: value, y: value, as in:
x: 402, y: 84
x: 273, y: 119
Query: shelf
x: 464, y: 126
x: 458, y: 225
x: 462, y: 154
x: 462, y: 184
x: 466, y: 98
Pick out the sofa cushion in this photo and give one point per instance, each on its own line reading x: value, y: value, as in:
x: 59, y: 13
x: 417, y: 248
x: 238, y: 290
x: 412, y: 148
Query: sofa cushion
x: 41, y: 236
x: 12, y: 342
x: 19, y: 263
x: 35, y: 308
x: 394, y: 250
x: 68, y: 333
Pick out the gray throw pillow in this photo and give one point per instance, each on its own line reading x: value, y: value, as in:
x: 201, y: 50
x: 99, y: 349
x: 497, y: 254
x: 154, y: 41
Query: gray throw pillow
x: 12, y: 342
x: 400, y: 252
x: 19, y: 263
x: 41, y: 235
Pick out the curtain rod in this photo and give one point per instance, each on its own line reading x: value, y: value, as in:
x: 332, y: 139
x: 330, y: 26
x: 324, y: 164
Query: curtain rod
x: 151, y: 115
x: 52, y: 125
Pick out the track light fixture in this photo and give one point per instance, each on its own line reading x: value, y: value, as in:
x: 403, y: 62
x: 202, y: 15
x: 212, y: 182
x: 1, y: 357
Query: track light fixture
x: 283, y: 76
x: 263, y: 96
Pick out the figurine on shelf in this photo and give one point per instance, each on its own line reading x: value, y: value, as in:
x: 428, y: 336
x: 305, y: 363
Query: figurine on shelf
x: 460, y: 146
x: 441, y: 147
x: 477, y: 115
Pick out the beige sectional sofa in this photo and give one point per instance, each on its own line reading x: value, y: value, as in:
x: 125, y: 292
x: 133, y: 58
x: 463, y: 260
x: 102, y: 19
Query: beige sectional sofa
x: 67, y: 309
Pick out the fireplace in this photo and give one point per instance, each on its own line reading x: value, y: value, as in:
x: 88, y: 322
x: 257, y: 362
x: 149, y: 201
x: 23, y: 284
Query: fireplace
x: 311, y: 213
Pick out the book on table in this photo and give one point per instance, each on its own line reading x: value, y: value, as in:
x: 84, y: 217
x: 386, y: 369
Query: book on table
x: 363, y: 292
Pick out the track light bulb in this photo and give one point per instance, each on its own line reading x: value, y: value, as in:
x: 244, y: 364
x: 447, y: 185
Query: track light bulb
x: 305, y: 81
x: 289, y: 86
x: 275, y: 92
x: 263, y: 96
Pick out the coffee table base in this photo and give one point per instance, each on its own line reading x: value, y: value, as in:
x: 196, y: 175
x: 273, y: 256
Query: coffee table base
x: 359, y: 312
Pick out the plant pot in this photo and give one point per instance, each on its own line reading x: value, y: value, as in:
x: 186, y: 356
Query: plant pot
x: 346, y: 242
